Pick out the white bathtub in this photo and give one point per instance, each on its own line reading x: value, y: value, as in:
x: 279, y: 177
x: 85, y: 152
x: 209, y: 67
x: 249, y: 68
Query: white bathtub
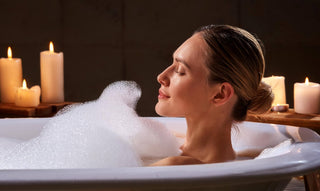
x: 271, y: 173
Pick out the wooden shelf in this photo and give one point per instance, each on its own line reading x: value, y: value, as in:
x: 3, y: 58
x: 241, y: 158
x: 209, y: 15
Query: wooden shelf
x: 43, y: 110
x: 311, y: 121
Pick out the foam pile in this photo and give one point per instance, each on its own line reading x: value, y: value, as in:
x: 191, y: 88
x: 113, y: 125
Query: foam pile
x: 103, y: 133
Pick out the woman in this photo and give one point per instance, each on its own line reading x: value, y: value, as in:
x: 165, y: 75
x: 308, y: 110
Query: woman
x: 215, y: 78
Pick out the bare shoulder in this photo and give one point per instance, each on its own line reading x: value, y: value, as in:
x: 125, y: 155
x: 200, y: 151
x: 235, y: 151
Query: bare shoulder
x: 177, y: 160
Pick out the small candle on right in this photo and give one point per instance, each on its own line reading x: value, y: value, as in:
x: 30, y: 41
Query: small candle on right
x: 307, y: 97
x: 26, y: 97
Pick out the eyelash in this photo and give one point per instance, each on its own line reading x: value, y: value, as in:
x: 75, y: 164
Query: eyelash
x: 179, y: 73
x: 176, y: 70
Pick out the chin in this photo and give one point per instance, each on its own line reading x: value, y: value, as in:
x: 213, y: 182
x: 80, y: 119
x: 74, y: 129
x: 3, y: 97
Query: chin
x: 165, y: 111
x: 159, y: 110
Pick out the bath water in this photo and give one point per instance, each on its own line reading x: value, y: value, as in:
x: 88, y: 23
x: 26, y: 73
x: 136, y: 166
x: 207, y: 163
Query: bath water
x: 103, y: 133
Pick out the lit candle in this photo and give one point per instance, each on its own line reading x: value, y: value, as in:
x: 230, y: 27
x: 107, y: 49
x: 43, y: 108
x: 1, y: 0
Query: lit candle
x: 278, y: 88
x: 52, y: 83
x: 307, y: 97
x: 10, y: 77
x: 27, y: 97
x: 279, y: 91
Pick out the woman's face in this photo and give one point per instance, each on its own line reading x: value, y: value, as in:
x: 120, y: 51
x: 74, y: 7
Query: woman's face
x: 184, y: 87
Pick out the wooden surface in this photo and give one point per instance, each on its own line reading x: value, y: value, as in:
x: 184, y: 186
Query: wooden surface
x: 311, y: 121
x: 43, y: 110
x: 312, y: 181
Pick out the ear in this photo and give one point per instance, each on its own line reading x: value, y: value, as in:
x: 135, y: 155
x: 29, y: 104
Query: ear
x: 223, y: 94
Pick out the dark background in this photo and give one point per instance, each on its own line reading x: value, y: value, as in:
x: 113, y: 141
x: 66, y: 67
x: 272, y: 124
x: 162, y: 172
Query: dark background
x: 109, y: 40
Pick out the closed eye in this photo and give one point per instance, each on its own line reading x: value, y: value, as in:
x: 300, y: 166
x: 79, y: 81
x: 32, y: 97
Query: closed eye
x: 179, y: 70
x: 179, y: 73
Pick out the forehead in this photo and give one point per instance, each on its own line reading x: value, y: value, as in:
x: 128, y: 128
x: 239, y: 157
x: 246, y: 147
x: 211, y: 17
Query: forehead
x: 193, y: 50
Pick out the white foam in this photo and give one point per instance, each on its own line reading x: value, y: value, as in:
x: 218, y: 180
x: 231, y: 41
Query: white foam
x: 103, y: 133
x: 8, y: 144
x: 280, y: 149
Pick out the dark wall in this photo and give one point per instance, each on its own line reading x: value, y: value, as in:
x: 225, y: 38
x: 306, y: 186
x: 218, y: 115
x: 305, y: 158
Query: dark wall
x: 110, y: 40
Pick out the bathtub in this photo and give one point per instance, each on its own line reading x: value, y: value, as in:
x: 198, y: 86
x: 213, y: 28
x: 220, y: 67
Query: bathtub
x: 271, y: 173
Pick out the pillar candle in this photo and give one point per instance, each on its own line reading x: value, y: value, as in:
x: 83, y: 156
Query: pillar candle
x: 10, y: 77
x: 278, y: 88
x: 27, y: 97
x: 307, y: 97
x: 52, y: 83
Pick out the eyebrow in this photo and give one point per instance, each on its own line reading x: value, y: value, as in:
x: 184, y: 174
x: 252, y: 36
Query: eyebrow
x: 181, y: 61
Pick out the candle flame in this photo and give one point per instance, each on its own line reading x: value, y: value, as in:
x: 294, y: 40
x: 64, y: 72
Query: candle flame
x: 51, y: 47
x: 9, y: 52
x: 24, y: 84
x: 307, y: 81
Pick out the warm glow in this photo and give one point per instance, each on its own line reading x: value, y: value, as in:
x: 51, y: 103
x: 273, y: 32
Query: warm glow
x: 9, y: 52
x: 24, y: 84
x: 51, y: 47
x: 307, y: 81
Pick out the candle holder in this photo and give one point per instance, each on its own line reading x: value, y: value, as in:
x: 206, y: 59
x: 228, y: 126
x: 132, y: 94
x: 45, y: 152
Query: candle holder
x: 42, y: 110
x: 280, y: 108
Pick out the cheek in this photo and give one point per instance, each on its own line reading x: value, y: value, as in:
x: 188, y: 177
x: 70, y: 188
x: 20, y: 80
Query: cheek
x: 194, y: 97
x: 181, y: 90
x: 188, y: 97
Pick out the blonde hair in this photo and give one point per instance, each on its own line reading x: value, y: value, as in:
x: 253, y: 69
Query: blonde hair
x: 236, y: 57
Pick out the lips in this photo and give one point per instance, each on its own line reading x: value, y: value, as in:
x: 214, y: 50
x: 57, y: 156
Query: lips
x: 162, y: 95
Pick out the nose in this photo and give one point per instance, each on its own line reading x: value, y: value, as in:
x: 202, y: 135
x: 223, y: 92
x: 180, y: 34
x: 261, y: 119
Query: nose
x: 163, y: 78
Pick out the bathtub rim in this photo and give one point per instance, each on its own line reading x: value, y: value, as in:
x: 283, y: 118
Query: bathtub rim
x: 156, y: 176
x: 179, y: 175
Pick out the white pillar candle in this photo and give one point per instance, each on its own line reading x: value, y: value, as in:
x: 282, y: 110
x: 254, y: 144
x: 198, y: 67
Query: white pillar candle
x: 278, y: 88
x: 307, y: 97
x: 52, y: 83
x: 27, y: 97
x: 10, y: 77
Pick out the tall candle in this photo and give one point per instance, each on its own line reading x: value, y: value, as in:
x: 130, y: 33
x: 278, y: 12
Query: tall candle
x: 52, y: 83
x: 307, y: 97
x: 27, y: 97
x: 10, y: 77
x: 278, y: 88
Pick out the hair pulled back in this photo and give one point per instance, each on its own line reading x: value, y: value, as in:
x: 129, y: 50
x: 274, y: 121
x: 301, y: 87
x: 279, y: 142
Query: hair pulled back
x: 236, y: 56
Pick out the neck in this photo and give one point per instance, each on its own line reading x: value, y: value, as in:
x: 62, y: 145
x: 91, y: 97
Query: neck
x: 208, y: 138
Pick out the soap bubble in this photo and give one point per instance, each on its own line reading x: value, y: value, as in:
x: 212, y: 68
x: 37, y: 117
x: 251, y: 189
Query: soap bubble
x: 103, y: 133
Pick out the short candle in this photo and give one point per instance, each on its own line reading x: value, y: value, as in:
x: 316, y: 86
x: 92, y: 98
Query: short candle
x: 10, y: 77
x: 52, y: 83
x: 307, y: 97
x: 279, y: 91
x: 278, y: 88
x: 27, y: 97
